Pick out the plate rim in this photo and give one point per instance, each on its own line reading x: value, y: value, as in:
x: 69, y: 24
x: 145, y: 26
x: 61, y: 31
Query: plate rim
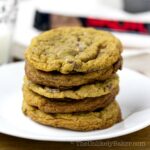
x: 90, y: 138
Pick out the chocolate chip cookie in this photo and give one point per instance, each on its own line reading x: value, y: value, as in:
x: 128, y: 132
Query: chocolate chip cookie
x: 90, y: 90
x: 67, y: 105
x: 98, y: 119
x: 58, y: 80
x: 73, y: 49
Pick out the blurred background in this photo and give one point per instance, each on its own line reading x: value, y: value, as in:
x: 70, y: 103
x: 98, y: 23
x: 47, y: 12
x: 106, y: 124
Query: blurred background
x: 129, y: 20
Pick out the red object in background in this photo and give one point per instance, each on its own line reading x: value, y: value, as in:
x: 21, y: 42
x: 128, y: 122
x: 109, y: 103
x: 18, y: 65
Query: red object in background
x: 123, y: 26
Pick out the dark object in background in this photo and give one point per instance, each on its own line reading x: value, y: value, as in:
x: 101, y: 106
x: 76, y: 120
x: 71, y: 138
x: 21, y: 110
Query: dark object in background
x: 45, y: 21
x: 136, y: 6
x: 41, y: 21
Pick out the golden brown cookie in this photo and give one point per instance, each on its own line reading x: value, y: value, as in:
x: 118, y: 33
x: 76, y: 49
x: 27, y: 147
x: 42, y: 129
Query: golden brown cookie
x: 90, y: 90
x: 73, y: 49
x: 58, y: 80
x: 67, y: 106
x: 99, y: 119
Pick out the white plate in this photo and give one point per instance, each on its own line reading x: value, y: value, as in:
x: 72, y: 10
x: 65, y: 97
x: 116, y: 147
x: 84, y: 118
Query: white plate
x: 134, y: 99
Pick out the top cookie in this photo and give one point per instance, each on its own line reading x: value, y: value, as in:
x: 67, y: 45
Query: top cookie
x: 73, y: 49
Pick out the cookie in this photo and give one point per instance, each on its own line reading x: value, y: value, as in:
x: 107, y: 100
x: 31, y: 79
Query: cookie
x: 58, y: 80
x: 73, y: 49
x: 90, y: 90
x: 99, y: 119
x: 67, y: 106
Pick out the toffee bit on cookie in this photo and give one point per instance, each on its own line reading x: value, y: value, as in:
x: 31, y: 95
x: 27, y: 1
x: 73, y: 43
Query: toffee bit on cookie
x: 52, y: 90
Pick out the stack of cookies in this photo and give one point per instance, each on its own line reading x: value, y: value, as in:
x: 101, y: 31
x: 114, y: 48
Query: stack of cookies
x: 71, y: 79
